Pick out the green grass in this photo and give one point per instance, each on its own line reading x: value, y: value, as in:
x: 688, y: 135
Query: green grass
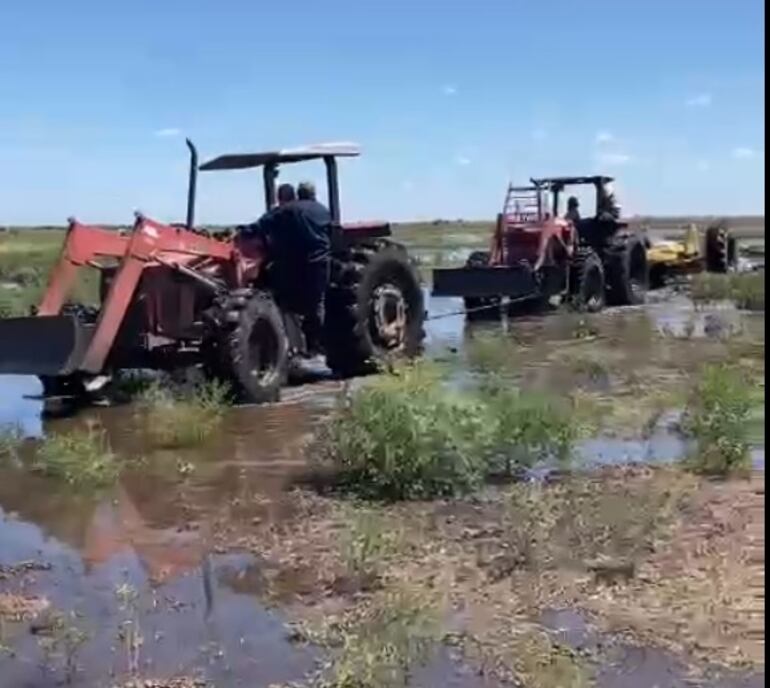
x: 746, y: 289
x: 719, y: 418
x: 82, y: 458
x: 176, y: 419
x: 26, y: 258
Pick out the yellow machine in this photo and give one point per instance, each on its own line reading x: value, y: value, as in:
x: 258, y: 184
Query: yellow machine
x: 716, y: 252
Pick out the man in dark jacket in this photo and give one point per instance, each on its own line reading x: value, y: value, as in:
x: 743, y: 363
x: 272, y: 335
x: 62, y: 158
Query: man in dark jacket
x: 573, y: 210
x: 297, y: 235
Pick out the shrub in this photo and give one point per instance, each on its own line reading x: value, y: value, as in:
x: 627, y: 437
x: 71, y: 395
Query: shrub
x: 526, y: 428
x: 406, y: 437
x: 718, y: 417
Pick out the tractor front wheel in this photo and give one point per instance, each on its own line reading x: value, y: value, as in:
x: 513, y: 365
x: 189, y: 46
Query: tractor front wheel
x: 257, y: 351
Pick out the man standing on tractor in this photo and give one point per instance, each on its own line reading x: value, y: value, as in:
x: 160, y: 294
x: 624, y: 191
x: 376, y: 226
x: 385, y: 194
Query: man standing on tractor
x: 609, y: 210
x: 297, y: 238
x: 573, y: 210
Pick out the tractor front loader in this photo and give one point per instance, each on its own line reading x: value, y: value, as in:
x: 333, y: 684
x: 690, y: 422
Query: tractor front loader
x: 172, y: 297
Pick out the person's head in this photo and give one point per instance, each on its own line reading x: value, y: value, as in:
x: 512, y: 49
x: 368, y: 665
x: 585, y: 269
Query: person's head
x: 306, y: 191
x: 286, y: 194
x: 572, y: 203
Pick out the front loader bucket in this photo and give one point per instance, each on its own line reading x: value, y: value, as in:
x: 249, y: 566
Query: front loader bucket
x: 49, y: 345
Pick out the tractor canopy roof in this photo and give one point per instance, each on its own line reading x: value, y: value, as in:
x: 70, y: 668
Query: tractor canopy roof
x: 240, y: 161
x: 571, y: 181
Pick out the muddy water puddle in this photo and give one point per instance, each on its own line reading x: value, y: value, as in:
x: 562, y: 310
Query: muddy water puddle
x: 199, y: 610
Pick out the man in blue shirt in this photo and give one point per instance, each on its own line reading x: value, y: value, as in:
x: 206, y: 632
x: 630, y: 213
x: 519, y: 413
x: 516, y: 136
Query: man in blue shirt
x: 297, y: 235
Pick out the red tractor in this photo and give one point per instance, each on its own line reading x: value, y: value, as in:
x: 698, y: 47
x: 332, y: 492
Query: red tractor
x: 535, y: 254
x: 173, y: 296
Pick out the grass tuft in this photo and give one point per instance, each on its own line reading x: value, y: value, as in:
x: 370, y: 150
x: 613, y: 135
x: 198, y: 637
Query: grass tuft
x: 746, y: 289
x: 718, y: 416
x: 380, y: 643
x: 11, y: 439
x: 368, y: 544
x: 82, y: 458
x: 183, y: 419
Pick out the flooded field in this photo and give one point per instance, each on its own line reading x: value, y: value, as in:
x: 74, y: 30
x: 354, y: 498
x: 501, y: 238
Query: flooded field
x: 209, y: 563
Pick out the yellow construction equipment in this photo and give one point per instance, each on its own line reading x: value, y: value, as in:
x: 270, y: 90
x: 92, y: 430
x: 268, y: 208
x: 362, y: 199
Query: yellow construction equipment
x: 714, y: 251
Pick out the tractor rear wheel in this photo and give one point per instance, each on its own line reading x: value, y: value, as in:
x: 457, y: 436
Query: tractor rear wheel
x: 256, y: 351
x: 626, y: 270
x: 586, y: 281
x: 481, y: 307
x: 374, y: 309
x: 720, y: 248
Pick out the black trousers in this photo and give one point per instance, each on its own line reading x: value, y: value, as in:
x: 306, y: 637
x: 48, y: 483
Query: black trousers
x: 301, y: 290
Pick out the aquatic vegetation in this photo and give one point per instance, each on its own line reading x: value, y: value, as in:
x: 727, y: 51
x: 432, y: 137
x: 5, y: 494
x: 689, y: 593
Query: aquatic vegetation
x: 380, y: 643
x: 718, y: 417
x: 181, y: 418
x: 82, y: 458
x: 11, y: 438
x: 407, y: 436
x: 746, y: 289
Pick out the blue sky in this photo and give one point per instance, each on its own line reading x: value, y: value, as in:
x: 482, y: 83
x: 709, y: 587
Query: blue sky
x: 448, y: 99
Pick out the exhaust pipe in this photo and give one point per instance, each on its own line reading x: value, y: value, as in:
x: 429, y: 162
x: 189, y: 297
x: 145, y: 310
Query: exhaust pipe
x: 191, y: 185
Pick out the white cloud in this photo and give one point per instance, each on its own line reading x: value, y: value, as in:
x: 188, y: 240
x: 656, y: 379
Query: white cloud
x: 449, y: 90
x: 700, y: 100
x: 462, y: 160
x: 614, y: 159
x: 744, y: 153
x: 604, y: 137
x: 171, y: 131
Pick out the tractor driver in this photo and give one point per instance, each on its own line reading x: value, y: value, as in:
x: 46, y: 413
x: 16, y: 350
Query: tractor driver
x: 297, y: 237
x: 573, y: 210
x: 609, y: 209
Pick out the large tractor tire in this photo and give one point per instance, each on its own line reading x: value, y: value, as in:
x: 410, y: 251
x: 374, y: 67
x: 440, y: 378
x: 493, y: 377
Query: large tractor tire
x: 374, y: 309
x: 256, y: 352
x: 720, y: 248
x: 586, y: 281
x: 626, y: 270
x: 481, y: 307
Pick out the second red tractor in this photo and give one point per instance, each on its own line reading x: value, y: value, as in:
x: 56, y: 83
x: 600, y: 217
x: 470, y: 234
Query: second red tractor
x: 536, y: 254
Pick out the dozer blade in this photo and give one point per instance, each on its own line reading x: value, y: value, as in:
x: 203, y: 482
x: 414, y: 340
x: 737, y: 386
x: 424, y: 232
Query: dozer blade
x: 50, y: 345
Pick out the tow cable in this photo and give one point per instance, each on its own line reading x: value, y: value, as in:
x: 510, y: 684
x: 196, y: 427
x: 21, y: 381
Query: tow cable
x: 476, y: 309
